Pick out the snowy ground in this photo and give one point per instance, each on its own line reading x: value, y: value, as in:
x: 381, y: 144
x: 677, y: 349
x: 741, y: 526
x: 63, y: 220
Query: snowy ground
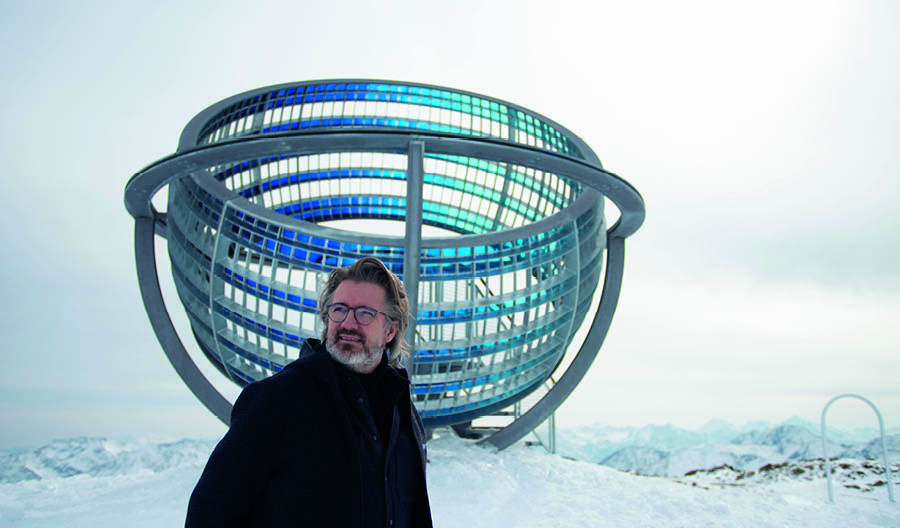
x: 524, y: 487
x: 474, y: 487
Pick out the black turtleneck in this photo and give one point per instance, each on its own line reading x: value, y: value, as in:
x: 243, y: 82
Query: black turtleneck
x: 381, y: 400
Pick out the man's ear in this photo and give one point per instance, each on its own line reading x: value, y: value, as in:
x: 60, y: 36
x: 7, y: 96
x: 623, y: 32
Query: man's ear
x: 390, y: 332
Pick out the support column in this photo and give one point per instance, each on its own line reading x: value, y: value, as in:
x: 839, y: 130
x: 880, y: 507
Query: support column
x: 415, y: 181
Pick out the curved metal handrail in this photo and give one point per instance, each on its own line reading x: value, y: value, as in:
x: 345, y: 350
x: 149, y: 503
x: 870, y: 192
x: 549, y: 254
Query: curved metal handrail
x: 887, y: 467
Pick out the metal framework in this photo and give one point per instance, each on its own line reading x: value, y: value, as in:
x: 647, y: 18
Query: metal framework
x: 497, y: 302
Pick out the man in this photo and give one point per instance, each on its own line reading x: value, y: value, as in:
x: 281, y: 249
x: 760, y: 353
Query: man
x: 333, y: 439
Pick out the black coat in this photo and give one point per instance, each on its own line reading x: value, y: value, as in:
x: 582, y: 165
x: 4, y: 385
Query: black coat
x: 295, y: 456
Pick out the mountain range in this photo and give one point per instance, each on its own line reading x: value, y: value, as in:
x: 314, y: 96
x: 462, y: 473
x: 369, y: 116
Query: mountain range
x: 666, y: 450
x: 662, y: 450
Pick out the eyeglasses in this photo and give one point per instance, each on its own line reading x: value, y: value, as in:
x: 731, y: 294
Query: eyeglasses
x: 364, y: 315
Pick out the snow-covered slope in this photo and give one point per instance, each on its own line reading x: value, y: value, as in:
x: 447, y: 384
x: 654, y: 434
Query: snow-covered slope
x: 862, y: 475
x: 469, y: 486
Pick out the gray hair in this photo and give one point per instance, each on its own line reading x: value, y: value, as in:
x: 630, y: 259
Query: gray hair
x: 372, y: 270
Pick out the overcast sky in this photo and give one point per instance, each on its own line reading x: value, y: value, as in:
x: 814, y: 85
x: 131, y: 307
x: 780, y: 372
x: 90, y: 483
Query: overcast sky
x: 763, y: 137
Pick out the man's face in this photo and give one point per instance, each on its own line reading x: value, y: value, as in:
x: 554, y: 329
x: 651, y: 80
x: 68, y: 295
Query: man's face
x: 359, y: 347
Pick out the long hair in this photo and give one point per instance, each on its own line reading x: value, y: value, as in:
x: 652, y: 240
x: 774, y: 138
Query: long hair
x: 372, y: 270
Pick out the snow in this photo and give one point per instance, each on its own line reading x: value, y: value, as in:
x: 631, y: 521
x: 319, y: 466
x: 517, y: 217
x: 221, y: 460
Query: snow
x: 471, y: 486
x: 128, y: 484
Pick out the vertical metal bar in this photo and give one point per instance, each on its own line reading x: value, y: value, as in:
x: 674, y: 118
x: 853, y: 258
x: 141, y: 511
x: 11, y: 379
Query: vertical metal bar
x: 415, y: 181
x: 825, y: 455
x: 502, y: 203
x: 552, y: 433
x: 576, y: 255
x: 217, y: 289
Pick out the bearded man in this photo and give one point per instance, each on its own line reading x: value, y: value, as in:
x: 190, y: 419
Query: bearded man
x: 333, y: 439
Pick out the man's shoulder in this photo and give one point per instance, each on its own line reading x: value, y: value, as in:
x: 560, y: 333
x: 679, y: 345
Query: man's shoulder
x: 311, y: 365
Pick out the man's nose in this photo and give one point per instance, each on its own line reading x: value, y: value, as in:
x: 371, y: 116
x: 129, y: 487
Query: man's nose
x: 350, y: 321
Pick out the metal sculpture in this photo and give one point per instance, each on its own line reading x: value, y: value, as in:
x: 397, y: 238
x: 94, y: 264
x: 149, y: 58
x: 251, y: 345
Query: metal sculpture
x: 497, y: 299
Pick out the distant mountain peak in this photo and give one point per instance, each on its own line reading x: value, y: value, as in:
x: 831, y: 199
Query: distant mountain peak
x: 97, y: 456
x: 668, y: 450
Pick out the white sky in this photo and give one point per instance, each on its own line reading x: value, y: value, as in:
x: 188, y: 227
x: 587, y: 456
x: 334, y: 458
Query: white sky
x: 763, y: 137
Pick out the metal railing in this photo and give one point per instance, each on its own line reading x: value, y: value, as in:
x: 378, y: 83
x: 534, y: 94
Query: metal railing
x: 887, y: 466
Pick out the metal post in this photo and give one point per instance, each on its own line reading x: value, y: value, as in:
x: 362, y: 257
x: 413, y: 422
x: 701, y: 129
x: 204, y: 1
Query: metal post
x: 551, y: 433
x: 415, y: 181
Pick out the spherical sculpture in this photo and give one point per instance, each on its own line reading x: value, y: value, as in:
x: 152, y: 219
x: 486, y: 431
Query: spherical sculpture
x: 259, y: 179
